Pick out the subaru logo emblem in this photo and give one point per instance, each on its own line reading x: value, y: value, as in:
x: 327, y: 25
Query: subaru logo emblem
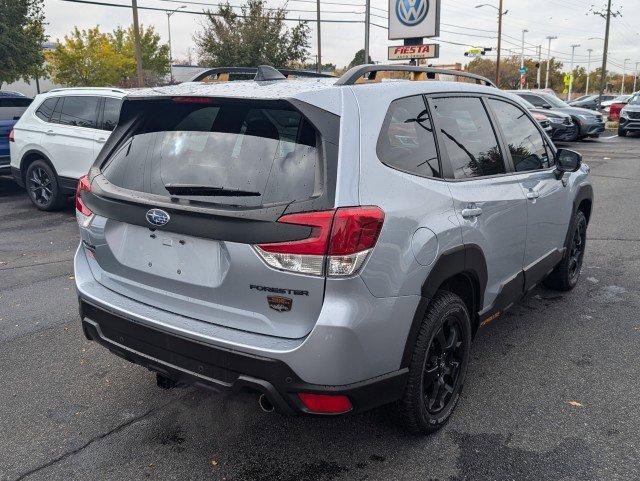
x: 157, y: 217
x: 411, y: 12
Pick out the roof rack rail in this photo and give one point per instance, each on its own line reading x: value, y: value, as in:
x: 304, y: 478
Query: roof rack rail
x: 106, y: 89
x: 222, y: 73
x: 351, y: 76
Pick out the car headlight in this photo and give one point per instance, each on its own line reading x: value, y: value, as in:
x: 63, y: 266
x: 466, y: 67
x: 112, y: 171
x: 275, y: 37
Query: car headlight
x: 556, y: 120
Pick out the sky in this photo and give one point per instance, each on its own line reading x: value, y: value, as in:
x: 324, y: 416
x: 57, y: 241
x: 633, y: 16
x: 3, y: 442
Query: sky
x: 461, y: 23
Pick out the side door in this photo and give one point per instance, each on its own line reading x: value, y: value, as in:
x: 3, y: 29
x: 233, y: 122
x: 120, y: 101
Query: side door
x: 489, y: 202
x: 548, y: 199
x: 71, y: 141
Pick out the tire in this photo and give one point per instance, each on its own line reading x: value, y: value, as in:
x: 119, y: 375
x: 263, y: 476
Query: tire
x: 622, y: 132
x: 566, y: 274
x: 429, y: 400
x: 43, y: 188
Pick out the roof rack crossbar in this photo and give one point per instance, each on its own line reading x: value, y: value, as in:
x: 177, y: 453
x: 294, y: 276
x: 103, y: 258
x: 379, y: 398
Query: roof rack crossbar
x: 217, y: 71
x: 351, y: 76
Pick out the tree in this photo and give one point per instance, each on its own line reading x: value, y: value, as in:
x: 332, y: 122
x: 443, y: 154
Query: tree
x: 21, y: 39
x: 358, y: 59
x: 155, y: 56
x: 253, y: 37
x: 90, y: 58
x: 510, y: 72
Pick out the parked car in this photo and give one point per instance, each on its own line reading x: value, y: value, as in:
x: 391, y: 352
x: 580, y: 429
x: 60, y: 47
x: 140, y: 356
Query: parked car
x: 630, y: 116
x: 591, y: 102
x: 589, y: 122
x: 614, y: 110
x: 332, y: 244
x: 57, y: 139
x: 12, y: 105
x: 562, y: 127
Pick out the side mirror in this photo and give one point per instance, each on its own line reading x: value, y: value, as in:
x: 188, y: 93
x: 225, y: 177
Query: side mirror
x: 567, y: 161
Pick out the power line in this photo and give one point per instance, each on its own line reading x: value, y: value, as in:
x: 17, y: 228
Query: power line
x: 193, y: 2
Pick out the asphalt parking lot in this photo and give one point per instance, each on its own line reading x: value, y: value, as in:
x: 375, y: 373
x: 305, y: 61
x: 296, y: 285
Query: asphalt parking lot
x: 553, y: 390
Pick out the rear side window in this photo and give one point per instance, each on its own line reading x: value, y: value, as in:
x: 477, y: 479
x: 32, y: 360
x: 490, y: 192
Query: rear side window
x: 111, y: 113
x: 45, y: 110
x: 526, y: 145
x: 406, y: 140
x: 238, y: 154
x: 81, y: 111
x: 469, y: 139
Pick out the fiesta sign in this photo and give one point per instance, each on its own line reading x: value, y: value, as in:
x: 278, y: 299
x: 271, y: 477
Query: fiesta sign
x: 414, y: 19
x: 404, y: 52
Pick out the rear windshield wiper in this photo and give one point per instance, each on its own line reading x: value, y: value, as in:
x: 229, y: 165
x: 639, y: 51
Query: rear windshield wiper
x: 189, y: 189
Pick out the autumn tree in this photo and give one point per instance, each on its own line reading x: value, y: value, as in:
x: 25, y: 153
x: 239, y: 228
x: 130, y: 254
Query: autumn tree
x: 91, y: 58
x: 21, y: 38
x: 253, y: 36
x: 358, y: 59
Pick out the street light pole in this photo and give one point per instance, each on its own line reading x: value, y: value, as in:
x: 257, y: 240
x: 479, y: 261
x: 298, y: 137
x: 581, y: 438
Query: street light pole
x: 539, y: 65
x: 522, y: 57
x: 136, y: 41
x: 586, y: 92
x: 546, y: 81
x: 169, y: 32
x: 603, y: 73
x: 319, y: 66
x: 624, y: 75
x: 573, y: 52
x: 635, y: 77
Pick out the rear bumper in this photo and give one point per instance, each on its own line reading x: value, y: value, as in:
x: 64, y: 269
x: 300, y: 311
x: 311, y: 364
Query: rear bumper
x: 190, y: 362
x: 592, y: 129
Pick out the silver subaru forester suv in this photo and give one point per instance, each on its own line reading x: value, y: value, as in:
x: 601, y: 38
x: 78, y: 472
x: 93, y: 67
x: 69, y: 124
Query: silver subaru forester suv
x: 331, y: 244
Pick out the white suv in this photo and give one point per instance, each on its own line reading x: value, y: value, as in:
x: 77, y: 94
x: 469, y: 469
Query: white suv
x: 57, y: 139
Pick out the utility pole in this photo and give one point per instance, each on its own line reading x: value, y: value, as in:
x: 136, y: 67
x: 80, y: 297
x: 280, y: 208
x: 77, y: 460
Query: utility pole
x: 522, y: 58
x: 603, y: 73
x: 319, y: 67
x: 367, y: 24
x: 546, y: 80
x: 586, y: 92
x: 539, y: 65
x: 624, y: 75
x: 137, y: 48
x: 573, y: 52
x: 635, y: 77
x: 499, y: 44
x: 169, y: 32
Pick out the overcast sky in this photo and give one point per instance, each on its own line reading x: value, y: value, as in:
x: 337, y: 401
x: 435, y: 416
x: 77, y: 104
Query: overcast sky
x: 462, y: 23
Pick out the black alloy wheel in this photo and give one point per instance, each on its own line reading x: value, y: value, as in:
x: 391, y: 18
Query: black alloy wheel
x: 576, y: 253
x: 442, y: 365
x: 42, y: 186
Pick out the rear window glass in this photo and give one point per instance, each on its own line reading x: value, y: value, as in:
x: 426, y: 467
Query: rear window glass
x: 230, y: 154
x: 46, y: 109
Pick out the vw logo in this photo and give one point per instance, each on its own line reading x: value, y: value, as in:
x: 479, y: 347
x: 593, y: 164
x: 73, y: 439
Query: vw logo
x: 411, y: 12
x: 157, y: 217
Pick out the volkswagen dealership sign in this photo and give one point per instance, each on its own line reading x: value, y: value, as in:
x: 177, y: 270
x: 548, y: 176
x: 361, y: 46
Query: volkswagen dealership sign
x: 414, y: 19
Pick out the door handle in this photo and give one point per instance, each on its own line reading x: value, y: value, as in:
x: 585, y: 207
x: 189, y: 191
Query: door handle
x: 101, y: 140
x: 471, y: 213
x: 50, y: 132
x: 532, y: 194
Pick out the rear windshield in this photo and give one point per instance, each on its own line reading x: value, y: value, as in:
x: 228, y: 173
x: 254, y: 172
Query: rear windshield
x: 228, y: 154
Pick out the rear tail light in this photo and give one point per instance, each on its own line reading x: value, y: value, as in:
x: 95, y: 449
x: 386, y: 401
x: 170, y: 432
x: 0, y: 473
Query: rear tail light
x: 12, y: 135
x: 325, y: 403
x: 339, y: 242
x: 84, y: 215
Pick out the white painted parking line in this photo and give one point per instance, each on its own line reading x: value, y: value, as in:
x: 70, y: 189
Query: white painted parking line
x: 608, y: 138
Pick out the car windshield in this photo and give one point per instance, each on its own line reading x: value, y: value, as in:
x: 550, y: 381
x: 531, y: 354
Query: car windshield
x: 635, y: 100
x: 554, y: 101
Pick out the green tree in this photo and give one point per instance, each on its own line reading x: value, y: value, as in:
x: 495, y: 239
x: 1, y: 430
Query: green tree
x: 358, y: 59
x: 155, y: 56
x: 90, y: 58
x: 252, y: 37
x: 510, y: 72
x: 21, y: 38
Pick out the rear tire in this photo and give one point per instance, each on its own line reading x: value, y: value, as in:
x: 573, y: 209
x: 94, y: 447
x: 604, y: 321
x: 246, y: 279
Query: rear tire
x: 566, y: 274
x: 438, y: 365
x: 622, y: 132
x: 42, y: 186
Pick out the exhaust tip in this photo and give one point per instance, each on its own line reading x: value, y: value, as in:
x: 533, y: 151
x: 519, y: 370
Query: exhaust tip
x: 265, y: 404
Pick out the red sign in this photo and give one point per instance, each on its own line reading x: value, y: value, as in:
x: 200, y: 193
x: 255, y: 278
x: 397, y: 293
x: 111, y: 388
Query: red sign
x: 403, y: 52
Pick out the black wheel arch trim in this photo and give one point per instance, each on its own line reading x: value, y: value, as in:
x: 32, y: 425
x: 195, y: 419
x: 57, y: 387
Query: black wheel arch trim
x: 467, y: 259
x: 29, y: 153
x: 585, y: 192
